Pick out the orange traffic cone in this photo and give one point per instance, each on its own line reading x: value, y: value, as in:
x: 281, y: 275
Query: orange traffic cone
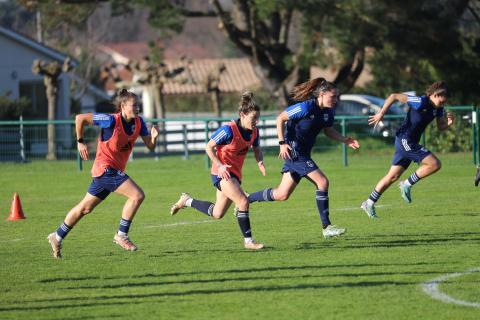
x: 16, y: 212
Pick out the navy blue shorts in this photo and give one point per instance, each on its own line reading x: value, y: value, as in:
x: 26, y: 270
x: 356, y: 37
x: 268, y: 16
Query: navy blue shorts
x: 299, y: 168
x: 108, y: 182
x: 408, y: 151
x: 216, y: 180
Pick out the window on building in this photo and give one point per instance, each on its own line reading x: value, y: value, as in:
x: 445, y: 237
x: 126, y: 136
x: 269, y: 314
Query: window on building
x: 35, y: 91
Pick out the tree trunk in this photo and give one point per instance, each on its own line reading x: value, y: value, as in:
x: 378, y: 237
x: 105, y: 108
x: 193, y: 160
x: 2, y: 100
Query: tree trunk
x: 160, y: 113
x: 215, y: 97
x: 52, y: 145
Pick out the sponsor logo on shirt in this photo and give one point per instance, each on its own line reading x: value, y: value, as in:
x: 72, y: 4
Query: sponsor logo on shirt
x: 325, y: 117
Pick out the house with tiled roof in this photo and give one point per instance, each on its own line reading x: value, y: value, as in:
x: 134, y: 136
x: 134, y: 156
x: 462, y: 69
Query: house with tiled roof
x: 238, y: 75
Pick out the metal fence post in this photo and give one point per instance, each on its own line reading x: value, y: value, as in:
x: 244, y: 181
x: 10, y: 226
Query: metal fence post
x: 477, y: 135
x: 185, y: 141
x: 22, y: 144
x: 264, y: 132
x: 207, y: 159
x: 474, y: 135
x: 344, y: 146
x: 79, y: 162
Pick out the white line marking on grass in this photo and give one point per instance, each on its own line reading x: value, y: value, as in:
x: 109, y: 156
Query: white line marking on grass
x: 12, y: 240
x: 431, y: 288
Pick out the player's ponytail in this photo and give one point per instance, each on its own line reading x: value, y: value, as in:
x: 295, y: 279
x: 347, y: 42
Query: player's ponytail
x: 438, y: 87
x: 311, y: 89
x: 122, y: 97
x: 247, y: 103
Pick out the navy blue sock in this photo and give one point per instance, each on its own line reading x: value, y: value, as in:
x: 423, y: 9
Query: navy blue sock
x: 262, y: 195
x: 322, y: 205
x: 375, y: 195
x: 413, y: 178
x: 203, y: 206
x: 124, y: 225
x: 244, y: 223
x: 63, y: 230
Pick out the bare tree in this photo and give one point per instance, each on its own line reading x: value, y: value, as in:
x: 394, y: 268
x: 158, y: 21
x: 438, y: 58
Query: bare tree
x: 212, y: 86
x: 51, y: 71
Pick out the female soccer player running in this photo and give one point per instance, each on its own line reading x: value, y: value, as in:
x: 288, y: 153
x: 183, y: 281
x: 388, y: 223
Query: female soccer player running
x: 304, y: 121
x: 422, y: 111
x: 117, y: 138
x: 227, y: 149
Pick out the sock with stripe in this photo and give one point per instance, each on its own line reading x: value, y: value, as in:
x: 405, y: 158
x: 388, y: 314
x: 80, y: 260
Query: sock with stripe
x: 205, y: 207
x: 62, y: 231
x: 414, y: 178
x: 322, y: 205
x: 262, y: 195
x: 243, y: 219
x: 124, y: 227
x: 374, y: 196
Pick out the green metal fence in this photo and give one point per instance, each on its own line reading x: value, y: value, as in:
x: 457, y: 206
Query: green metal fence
x: 26, y: 140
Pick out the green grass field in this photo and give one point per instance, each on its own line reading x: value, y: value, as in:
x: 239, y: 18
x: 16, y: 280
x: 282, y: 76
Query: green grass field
x: 191, y: 267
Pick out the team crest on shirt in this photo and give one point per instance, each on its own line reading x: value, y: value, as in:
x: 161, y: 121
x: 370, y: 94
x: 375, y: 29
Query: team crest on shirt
x: 311, y: 116
x: 133, y: 128
x: 325, y: 117
x: 309, y: 163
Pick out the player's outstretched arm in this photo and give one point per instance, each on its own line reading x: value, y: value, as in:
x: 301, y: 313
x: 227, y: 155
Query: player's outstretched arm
x: 376, y: 118
x: 334, y: 135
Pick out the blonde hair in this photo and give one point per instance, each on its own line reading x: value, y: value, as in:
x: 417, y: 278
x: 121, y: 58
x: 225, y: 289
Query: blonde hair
x: 122, y: 97
x: 247, y: 103
x: 311, y: 89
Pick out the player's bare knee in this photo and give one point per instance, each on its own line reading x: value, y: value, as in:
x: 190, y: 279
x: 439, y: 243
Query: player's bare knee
x: 138, y: 197
x: 242, y: 204
x: 392, y: 178
x: 437, y: 165
x: 217, y: 215
x: 86, y: 210
x: 281, y: 196
x: 323, y: 184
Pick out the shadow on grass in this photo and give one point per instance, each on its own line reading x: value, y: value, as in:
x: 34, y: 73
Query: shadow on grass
x: 102, y: 300
x: 103, y: 316
x: 249, y: 271
x: 243, y: 278
x: 385, y: 241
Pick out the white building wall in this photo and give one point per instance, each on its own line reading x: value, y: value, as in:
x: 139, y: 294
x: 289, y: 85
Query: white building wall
x: 16, y: 62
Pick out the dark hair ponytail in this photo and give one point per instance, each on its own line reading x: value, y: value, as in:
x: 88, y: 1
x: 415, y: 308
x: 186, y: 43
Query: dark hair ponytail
x: 438, y: 87
x: 311, y: 89
x: 247, y: 103
x: 122, y: 97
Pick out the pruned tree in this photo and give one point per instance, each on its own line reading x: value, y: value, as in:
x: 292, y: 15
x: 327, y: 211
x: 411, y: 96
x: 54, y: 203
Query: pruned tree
x: 51, y: 71
x: 212, y: 86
